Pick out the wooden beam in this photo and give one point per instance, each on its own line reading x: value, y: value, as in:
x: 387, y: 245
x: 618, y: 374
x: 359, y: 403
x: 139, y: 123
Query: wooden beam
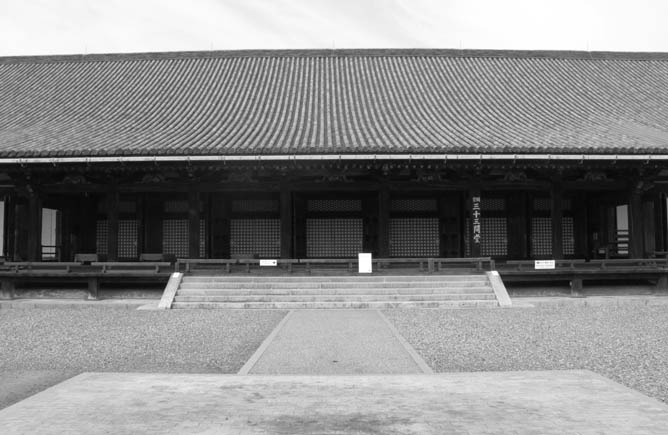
x: 193, y: 224
x: 286, y: 222
x: 557, y: 211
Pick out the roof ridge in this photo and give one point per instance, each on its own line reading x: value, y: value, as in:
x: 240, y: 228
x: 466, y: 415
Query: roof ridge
x: 369, y: 52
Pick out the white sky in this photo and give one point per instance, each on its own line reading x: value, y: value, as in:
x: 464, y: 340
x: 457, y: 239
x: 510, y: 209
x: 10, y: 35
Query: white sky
x: 32, y: 27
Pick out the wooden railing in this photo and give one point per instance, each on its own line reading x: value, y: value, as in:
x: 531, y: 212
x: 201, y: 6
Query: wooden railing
x: 429, y: 265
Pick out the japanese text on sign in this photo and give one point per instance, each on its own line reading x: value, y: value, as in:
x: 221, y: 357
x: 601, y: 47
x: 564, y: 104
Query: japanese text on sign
x: 475, y: 210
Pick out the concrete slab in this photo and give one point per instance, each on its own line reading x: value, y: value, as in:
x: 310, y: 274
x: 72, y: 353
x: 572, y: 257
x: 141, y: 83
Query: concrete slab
x: 548, y: 402
x: 325, y: 342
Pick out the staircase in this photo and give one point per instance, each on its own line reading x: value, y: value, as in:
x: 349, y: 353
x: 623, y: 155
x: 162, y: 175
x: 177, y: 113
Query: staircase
x: 293, y: 292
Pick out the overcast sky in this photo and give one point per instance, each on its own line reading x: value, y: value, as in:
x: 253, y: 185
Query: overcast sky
x: 35, y: 27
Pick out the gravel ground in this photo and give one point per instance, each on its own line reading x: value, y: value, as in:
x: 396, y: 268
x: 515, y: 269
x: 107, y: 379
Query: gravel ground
x: 627, y: 344
x: 41, y: 347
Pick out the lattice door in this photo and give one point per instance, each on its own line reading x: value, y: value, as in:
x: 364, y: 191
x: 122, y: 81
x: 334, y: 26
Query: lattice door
x: 255, y: 237
x: 414, y: 237
x: 341, y: 237
x: 176, y: 237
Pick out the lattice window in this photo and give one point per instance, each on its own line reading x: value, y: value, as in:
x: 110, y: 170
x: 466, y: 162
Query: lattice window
x: 127, y: 207
x: 255, y: 237
x: 492, y: 204
x: 202, y: 238
x: 336, y: 205
x: 178, y: 206
x: 333, y: 237
x: 494, y: 236
x: 568, y: 235
x: 545, y: 204
x: 101, y: 237
x: 541, y: 237
x: 412, y: 205
x: 127, y: 238
x: 254, y: 205
x: 175, y: 237
x: 414, y: 237
x: 542, y: 204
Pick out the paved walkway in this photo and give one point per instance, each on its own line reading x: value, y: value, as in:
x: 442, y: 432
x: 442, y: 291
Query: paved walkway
x: 563, y: 402
x: 328, y: 342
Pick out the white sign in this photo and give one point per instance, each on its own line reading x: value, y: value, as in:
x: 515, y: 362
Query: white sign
x: 268, y: 262
x: 364, y: 263
x: 544, y: 264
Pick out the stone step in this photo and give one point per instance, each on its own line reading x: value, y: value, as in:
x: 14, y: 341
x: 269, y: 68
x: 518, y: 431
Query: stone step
x: 337, y: 278
x: 330, y: 285
x: 337, y: 305
x: 335, y: 291
x: 335, y: 298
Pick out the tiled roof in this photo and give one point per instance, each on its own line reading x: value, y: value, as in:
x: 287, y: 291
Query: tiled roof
x: 336, y: 101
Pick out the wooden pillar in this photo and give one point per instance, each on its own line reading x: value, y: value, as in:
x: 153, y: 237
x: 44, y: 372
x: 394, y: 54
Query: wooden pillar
x: 286, y: 223
x: 10, y: 224
x: 517, y: 226
x: 557, y: 220
x: 636, y: 235
x: 299, y: 213
x: 220, y: 226
x: 475, y: 214
x: 193, y: 224
x: 34, y: 239
x: 649, y: 229
x: 152, y: 222
x: 113, y: 201
x: 383, y: 222
x: 580, y: 225
x: 660, y: 222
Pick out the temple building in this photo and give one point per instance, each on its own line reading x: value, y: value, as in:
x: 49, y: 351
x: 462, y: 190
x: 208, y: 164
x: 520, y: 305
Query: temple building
x: 514, y: 155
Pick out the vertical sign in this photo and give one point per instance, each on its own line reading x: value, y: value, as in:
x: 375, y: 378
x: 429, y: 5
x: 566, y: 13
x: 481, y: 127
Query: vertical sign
x: 364, y: 262
x: 475, y: 225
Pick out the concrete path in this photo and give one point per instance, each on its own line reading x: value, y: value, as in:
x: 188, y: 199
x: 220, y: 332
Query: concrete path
x: 326, y: 342
x: 553, y: 402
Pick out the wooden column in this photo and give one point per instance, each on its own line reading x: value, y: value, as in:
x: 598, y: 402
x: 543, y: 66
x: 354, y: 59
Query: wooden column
x: 113, y: 201
x: 557, y: 219
x: 636, y: 236
x: 299, y: 234
x: 475, y: 215
x: 10, y: 224
x: 34, y: 239
x: 517, y: 226
x: 383, y: 222
x: 286, y: 223
x: 193, y: 224
x: 152, y: 221
x: 580, y: 225
x: 220, y: 226
x: 660, y: 222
